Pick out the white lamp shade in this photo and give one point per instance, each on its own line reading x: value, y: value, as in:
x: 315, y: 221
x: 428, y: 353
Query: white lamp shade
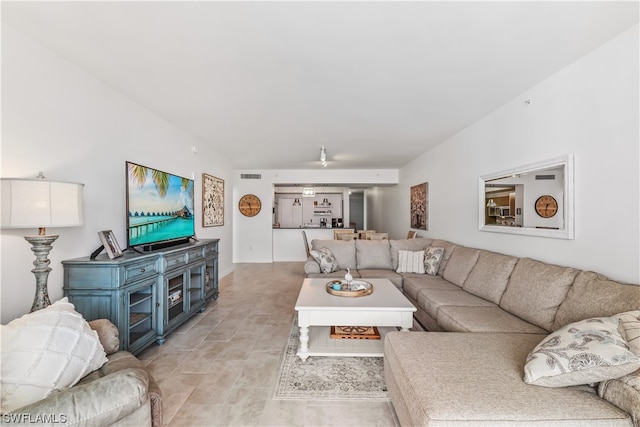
x: 28, y: 203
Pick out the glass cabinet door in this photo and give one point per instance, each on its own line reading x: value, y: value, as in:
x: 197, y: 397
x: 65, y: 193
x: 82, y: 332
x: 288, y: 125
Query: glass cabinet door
x: 140, y: 308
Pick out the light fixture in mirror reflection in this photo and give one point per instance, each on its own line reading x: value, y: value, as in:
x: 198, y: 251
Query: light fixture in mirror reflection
x: 509, y: 201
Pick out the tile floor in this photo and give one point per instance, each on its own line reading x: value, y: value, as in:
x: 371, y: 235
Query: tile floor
x: 220, y: 367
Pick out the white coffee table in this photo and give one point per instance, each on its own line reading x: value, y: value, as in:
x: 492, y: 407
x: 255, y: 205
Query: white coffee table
x: 386, y: 308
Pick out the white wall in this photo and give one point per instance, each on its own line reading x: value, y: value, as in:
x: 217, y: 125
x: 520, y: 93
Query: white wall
x: 58, y: 119
x: 253, y: 237
x: 590, y: 109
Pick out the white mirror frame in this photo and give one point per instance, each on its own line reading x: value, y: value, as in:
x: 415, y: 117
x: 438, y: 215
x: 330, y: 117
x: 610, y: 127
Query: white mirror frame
x: 568, y: 211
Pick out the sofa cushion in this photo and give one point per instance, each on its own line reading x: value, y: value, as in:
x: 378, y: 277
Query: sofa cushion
x: 432, y: 259
x: 471, y: 379
x: 432, y: 299
x: 624, y: 392
x: 411, y: 262
x: 448, y: 250
x: 392, y: 276
x: 460, y: 264
x: 489, y: 277
x: 483, y: 319
x: 45, y: 351
x: 536, y: 290
x: 416, y: 244
x: 584, y: 352
x: 373, y: 254
x: 413, y: 283
x: 343, y: 250
x: 593, y: 295
x: 335, y: 275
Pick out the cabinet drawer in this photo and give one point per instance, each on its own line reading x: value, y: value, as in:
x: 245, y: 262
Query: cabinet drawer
x: 195, y: 254
x: 211, y: 249
x: 172, y: 261
x: 140, y: 270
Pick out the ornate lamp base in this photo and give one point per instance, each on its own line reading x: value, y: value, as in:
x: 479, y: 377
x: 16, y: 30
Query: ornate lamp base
x: 41, y: 246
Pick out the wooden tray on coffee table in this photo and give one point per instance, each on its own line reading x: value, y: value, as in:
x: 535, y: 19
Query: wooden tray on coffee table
x: 358, y: 288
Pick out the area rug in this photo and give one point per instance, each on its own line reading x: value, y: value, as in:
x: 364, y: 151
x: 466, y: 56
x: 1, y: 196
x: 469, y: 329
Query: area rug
x: 328, y: 378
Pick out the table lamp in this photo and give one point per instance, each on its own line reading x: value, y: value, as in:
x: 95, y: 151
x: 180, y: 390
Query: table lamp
x: 39, y: 203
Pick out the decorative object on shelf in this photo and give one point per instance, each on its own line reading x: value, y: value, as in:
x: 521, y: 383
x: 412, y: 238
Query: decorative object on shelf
x: 110, y: 244
x: 546, y: 206
x: 38, y: 203
x: 212, y: 201
x: 419, y: 207
x: 250, y: 205
x: 352, y: 288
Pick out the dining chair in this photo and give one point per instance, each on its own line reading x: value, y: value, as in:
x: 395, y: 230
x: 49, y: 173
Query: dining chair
x: 377, y: 236
x: 338, y: 233
x: 364, y: 233
x: 306, y: 243
x: 349, y: 236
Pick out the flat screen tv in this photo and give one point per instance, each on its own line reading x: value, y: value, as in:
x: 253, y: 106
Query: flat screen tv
x: 159, y: 208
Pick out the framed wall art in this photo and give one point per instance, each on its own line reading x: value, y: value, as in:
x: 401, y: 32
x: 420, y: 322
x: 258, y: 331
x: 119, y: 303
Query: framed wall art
x: 212, y: 201
x: 419, y: 206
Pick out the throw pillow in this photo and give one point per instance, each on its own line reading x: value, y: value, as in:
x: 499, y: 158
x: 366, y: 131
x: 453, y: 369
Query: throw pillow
x: 45, y: 351
x: 432, y: 259
x: 410, y: 262
x: 324, y: 257
x: 584, y: 352
x: 630, y: 326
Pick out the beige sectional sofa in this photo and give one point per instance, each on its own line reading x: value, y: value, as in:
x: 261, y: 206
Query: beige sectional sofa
x: 501, y: 307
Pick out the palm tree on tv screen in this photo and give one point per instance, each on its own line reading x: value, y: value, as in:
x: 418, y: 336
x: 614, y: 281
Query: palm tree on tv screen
x: 161, y: 179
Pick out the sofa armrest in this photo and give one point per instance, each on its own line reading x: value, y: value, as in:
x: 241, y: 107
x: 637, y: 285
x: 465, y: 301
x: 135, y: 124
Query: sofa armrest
x: 108, y: 335
x: 103, y: 401
x: 123, y: 360
x: 311, y: 266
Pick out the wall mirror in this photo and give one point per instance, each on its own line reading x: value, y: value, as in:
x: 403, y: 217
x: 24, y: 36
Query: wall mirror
x: 533, y: 200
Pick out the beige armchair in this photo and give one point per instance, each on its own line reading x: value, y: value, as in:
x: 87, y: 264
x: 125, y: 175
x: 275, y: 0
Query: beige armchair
x: 121, y: 393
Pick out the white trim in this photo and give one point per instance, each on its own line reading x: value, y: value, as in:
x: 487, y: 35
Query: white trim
x: 565, y: 233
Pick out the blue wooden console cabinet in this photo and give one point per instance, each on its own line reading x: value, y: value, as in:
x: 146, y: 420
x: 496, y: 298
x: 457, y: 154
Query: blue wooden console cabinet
x: 145, y: 295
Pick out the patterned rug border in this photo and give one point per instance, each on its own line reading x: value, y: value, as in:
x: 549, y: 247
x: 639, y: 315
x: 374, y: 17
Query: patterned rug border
x: 286, y: 369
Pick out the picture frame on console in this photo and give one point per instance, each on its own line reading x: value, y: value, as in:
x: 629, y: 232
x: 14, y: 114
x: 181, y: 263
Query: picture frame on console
x: 110, y: 243
x: 212, y: 201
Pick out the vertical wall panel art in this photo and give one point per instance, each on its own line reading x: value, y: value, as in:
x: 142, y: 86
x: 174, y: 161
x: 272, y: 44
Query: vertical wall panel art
x: 419, y: 206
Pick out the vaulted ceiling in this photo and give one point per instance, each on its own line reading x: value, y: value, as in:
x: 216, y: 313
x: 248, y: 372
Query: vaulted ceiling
x: 268, y: 83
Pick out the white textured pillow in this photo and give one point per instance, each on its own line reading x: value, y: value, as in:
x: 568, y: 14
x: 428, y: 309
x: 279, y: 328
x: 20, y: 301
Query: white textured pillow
x: 324, y: 257
x: 410, y: 262
x: 432, y: 258
x: 47, y: 350
x: 584, y: 352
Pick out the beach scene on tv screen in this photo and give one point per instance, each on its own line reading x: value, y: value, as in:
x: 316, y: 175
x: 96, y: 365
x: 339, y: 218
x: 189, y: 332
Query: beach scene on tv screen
x: 160, y: 206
